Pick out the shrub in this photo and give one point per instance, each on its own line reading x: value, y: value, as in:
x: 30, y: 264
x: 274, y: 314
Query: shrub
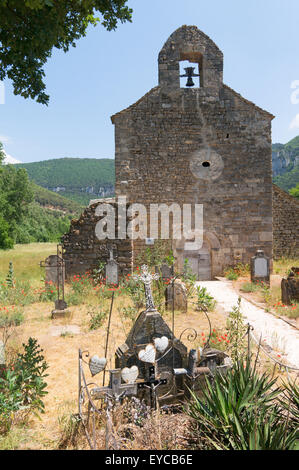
x: 249, y: 287
x: 236, y: 331
x: 21, y: 294
x: 97, y: 318
x: 134, y: 289
x: 231, y: 275
x: 239, y: 411
x: 188, y: 275
x: 129, y: 312
x: 22, y: 385
x: 10, y: 317
x: 49, y: 293
x: 10, y: 280
x: 204, y: 300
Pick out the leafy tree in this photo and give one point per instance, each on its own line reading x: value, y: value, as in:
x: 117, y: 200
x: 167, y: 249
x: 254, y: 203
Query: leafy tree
x: 15, y: 195
x: 295, y: 191
x: 30, y: 29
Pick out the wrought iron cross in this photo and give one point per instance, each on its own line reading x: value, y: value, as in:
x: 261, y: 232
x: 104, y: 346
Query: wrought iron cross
x: 146, y: 277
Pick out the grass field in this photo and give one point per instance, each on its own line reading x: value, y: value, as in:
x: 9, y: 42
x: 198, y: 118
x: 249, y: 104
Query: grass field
x: 26, y: 259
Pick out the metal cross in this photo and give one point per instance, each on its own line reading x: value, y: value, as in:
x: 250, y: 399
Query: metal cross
x: 116, y: 389
x: 152, y: 383
x: 146, y: 277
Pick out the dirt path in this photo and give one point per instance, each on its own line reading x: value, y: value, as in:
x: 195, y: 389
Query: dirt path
x: 275, y: 332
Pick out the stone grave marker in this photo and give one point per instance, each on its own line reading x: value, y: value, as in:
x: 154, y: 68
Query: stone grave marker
x: 260, y: 267
x: 55, y: 270
x: 165, y: 271
x: 55, y: 273
x: 112, y: 270
x: 290, y: 287
x: 180, y: 296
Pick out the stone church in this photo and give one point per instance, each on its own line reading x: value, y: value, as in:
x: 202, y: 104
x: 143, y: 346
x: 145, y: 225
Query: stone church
x: 197, y: 144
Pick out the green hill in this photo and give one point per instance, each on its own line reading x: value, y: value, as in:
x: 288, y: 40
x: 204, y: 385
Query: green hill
x: 48, y: 217
x: 285, y: 163
x: 79, y: 179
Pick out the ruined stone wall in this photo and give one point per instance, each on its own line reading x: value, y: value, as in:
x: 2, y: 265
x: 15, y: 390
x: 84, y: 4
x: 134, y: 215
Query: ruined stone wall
x: 162, y: 141
x: 83, y: 250
x: 285, y: 224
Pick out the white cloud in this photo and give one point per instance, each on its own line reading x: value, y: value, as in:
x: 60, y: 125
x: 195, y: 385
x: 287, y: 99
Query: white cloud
x: 295, y: 123
x: 9, y: 159
x: 5, y: 139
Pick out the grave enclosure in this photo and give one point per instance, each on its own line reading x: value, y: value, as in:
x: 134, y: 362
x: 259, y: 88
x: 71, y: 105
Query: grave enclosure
x: 152, y: 365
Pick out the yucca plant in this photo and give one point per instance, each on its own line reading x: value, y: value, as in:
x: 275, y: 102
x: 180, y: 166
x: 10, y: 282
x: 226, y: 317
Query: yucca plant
x: 239, y: 411
x: 289, y: 402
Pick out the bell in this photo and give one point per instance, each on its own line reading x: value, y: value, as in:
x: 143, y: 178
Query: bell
x: 189, y: 74
x: 190, y: 82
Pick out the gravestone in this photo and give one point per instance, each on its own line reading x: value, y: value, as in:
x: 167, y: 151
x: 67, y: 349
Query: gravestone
x: 2, y: 354
x: 165, y: 271
x: 179, y: 291
x: 55, y: 270
x: 260, y: 268
x: 112, y: 269
x: 290, y: 287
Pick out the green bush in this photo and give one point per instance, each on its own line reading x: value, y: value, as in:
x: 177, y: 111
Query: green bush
x: 97, y: 317
x: 236, y: 330
x: 231, y: 275
x: 249, y: 287
x: 240, y: 411
x: 6, y: 242
x: 205, y: 302
x: 12, y: 318
x: 22, y: 385
x: 21, y: 294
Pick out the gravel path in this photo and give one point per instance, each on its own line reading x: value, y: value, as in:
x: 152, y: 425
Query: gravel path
x: 275, y: 332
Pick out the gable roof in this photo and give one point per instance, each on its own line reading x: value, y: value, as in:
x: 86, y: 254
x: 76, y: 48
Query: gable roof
x: 144, y: 97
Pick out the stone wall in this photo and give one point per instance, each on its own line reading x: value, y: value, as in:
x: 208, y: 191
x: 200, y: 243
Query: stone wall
x: 285, y: 224
x: 83, y: 250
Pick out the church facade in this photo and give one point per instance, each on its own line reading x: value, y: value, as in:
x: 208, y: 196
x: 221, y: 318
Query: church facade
x: 201, y: 144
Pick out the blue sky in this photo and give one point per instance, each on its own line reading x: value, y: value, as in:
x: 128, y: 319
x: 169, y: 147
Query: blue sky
x: 108, y: 71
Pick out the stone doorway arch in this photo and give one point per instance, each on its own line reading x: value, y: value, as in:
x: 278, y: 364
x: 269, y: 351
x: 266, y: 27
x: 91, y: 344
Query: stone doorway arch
x: 203, y: 261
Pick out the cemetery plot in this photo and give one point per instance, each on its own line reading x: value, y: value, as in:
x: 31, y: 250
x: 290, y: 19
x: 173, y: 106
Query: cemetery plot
x: 86, y: 329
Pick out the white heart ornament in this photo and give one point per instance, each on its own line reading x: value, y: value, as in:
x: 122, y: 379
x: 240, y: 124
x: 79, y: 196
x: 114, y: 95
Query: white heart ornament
x: 148, y: 354
x: 97, y: 364
x: 161, y: 344
x: 129, y: 375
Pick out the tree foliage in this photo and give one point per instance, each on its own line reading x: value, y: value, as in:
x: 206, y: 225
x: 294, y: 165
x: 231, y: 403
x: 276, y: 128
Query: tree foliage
x: 295, y: 191
x: 30, y: 29
x: 15, y: 196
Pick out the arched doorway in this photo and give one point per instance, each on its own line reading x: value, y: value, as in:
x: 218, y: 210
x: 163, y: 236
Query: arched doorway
x: 200, y: 262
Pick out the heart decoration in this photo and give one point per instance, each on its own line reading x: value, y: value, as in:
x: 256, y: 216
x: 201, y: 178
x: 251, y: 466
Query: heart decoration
x: 148, y: 354
x: 161, y: 344
x: 129, y: 375
x: 97, y: 364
